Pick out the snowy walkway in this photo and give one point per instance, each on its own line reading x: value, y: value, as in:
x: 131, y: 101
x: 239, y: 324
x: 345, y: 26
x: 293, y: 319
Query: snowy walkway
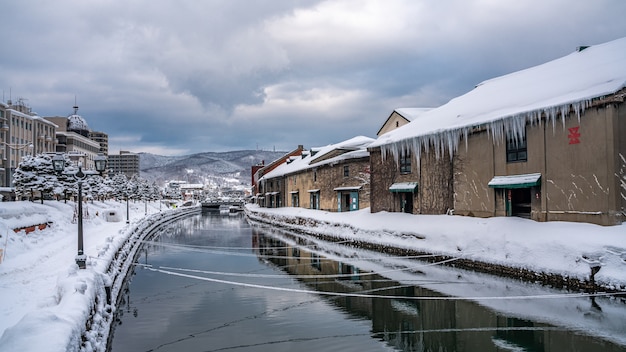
x: 45, y: 300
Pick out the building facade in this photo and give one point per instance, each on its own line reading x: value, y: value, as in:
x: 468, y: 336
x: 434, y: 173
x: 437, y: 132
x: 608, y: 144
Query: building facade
x: 22, y: 132
x: 339, y: 185
x: 409, y: 185
x: 103, y: 139
x: 74, y: 139
x: 572, y: 172
x: 260, y: 190
x: 125, y: 162
x: 547, y: 143
x: 332, y: 178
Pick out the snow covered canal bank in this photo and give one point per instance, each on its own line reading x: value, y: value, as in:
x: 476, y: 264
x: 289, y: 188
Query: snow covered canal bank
x: 575, y: 256
x: 46, y: 302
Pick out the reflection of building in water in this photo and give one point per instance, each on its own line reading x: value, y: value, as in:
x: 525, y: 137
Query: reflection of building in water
x: 418, y: 325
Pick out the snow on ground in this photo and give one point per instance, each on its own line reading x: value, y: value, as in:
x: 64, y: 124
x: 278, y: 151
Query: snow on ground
x: 45, y: 300
x: 548, y: 247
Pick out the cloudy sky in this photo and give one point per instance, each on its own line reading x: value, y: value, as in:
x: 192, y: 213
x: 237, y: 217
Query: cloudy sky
x: 179, y: 77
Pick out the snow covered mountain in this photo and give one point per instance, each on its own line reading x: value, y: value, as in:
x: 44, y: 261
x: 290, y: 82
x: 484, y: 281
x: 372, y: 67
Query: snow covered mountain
x: 205, y: 167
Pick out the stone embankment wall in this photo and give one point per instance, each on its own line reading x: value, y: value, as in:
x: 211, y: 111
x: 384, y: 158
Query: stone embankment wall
x: 101, y: 318
x: 313, y: 227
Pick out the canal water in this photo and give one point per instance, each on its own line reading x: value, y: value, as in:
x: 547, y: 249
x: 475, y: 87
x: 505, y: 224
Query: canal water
x: 213, y: 282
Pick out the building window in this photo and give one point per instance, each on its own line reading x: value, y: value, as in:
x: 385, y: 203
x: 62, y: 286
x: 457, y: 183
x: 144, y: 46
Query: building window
x: 295, y: 200
x: 405, y: 162
x: 314, y: 200
x: 346, y: 171
x: 316, y: 261
x: 516, y: 149
x: 314, y: 176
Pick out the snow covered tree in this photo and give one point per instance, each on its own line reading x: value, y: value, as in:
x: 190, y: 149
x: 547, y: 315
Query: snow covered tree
x: 35, y: 174
x: 118, y: 185
x: 25, y: 177
x: 132, y: 187
x: 156, y: 191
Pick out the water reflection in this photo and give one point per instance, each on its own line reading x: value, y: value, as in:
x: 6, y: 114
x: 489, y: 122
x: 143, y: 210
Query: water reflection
x: 421, y: 324
x: 214, y: 282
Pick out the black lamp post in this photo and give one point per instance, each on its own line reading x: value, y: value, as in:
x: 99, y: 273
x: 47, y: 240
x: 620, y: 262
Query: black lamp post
x: 58, y: 163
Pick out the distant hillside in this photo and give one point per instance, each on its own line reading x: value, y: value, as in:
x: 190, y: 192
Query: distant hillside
x: 204, y: 167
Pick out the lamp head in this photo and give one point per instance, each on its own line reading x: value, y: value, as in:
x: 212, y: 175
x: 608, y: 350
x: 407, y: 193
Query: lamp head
x: 58, y: 163
x: 101, y: 163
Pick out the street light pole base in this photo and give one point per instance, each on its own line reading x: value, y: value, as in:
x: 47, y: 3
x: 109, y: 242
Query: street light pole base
x: 81, y: 261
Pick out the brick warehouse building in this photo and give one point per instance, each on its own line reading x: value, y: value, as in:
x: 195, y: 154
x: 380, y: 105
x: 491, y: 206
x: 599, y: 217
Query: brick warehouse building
x: 546, y: 143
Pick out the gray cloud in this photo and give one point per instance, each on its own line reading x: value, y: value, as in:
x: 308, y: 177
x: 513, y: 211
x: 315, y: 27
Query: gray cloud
x: 175, y: 77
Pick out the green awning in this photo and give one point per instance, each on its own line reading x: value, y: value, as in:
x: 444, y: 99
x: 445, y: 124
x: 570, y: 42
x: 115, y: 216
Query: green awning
x: 403, y: 187
x: 515, y: 181
x: 349, y: 188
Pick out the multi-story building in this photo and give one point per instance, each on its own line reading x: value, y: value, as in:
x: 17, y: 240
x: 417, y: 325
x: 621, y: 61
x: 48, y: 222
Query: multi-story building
x: 101, y: 138
x: 22, y: 132
x: 73, y: 139
x: 125, y: 162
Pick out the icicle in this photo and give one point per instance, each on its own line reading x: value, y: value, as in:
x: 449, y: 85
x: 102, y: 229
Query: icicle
x: 509, y: 127
x: 465, y: 136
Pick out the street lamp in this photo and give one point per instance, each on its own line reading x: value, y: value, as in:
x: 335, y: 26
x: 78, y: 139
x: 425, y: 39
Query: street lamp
x: 58, y: 163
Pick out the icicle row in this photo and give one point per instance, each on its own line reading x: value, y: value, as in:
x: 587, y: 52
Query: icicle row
x: 507, y: 127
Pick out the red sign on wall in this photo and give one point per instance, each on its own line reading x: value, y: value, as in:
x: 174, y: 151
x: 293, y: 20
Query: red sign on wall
x: 574, y: 135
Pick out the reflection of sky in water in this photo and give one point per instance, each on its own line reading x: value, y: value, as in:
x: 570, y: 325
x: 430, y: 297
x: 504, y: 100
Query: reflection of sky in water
x: 178, y: 313
x: 171, y: 308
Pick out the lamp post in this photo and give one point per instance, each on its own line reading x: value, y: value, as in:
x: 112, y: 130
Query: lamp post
x: 58, y: 163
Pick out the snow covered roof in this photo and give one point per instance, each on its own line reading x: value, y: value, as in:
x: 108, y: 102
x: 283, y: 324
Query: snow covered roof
x: 411, y: 113
x: 356, y: 146
x: 76, y: 123
x: 191, y: 186
x: 408, y: 114
x: 505, y: 104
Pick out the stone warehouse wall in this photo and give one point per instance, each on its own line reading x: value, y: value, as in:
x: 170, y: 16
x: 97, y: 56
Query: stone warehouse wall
x: 331, y: 177
x: 384, y: 174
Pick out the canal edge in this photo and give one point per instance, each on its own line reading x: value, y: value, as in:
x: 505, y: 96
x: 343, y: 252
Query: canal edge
x: 99, y: 322
x: 308, y: 225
